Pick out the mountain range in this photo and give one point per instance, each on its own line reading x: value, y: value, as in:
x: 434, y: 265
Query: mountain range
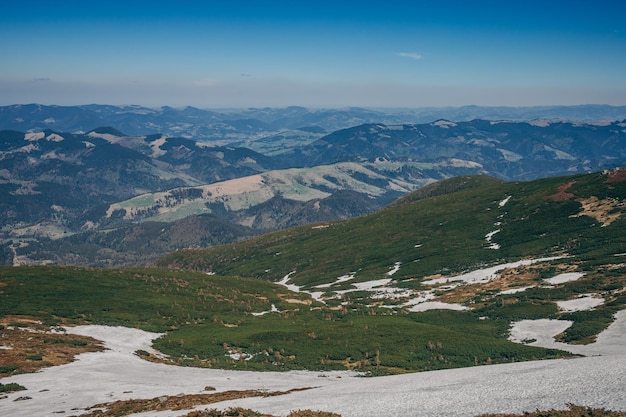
x: 232, y: 125
x: 106, y: 197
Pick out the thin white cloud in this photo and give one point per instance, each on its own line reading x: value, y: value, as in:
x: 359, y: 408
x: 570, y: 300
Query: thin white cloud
x: 411, y: 55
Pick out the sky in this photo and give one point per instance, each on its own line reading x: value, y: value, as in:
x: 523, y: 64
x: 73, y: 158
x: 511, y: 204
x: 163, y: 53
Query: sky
x: 237, y: 54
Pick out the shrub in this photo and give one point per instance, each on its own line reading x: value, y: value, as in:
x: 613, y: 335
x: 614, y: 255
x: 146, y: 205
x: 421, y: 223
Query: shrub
x: 34, y: 357
x: 11, y: 387
x: 7, y: 369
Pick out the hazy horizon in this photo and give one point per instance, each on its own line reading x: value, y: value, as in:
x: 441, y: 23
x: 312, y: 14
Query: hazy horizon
x: 319, y: 54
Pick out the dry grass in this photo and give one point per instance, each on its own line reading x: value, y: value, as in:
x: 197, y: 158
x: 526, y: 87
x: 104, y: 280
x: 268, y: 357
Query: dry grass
x: 605, y: 211
x: 29, y: 345
x: 179, y: 402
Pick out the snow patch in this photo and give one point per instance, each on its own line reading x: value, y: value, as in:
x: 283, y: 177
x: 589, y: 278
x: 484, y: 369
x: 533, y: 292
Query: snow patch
x: 514, y: 290
x: 503, y: 202
x: 273, y: 309
x: 488, y: 238
x: 480, y: 276
x: 437, y: 305
x: 317, y: 295
x: 538, y: 332
x: 566, y: 277
x: 339, y: 280
x: 582, y: 303
x: 371, y: 285
x: 118, y: 339
x: 394, y: 269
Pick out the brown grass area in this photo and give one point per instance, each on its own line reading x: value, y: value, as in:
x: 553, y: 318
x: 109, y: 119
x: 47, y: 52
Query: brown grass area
x: 30, y: 345
x: 508, y: 280
x: 605, y: 211
x: 179, y: 402
x: 523, y: 276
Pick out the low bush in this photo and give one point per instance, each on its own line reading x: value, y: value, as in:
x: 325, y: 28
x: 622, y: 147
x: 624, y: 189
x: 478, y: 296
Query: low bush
x: 11, y: 387
x: 7, y: 369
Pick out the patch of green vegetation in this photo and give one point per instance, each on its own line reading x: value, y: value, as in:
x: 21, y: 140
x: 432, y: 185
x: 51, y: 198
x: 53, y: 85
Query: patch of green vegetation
x: 378, y: 344
x: 514, y: 310
x: 61, y: 341
x: 587, y: 324
x: 153, y: 299
x: 209, y: 319
x: 7, y: 369
x: 11, y: 387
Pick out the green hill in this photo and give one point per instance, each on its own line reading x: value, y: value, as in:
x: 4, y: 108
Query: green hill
x: 440, y: 229
x: 399, y: 290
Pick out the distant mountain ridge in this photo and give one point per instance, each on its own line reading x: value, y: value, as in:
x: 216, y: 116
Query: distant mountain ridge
x: 242, y: 124
x: 72, y: 190
x: 507, y: 150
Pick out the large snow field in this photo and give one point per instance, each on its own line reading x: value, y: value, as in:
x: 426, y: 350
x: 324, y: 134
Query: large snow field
x: 598, y: 381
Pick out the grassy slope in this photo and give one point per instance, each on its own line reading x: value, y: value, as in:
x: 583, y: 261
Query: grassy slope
x: 450, y: 228
x: 208, y: 317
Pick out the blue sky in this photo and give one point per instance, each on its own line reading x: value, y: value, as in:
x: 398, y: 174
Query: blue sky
x: 217, y: 54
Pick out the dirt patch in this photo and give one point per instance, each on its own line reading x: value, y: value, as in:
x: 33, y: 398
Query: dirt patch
x: 27, y: 345
x: 178, y: 402
x: 562, y: 193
